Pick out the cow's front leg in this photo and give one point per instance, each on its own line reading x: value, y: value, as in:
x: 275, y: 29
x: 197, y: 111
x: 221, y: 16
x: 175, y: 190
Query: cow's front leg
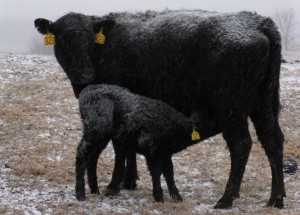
x: 239, y: 143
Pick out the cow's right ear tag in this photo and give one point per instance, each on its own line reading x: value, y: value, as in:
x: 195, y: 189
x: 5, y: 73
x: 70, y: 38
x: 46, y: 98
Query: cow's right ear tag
x: 100, y: 38
x: 49, y: 39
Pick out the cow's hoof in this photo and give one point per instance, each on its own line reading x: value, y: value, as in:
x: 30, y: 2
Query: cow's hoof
x: 223, y: 204
x: 130, y: 185
x: 80, y: 197
x: 276, y: 203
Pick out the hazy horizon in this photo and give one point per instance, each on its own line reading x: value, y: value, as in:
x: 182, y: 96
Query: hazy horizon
x: 16, y: 17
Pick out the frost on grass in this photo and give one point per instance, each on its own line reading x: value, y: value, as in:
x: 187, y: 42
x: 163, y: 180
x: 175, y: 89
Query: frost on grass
x: 40, y: 129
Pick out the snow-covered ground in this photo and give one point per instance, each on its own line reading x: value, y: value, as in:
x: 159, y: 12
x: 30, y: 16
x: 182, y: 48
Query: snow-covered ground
x: 40, y: 128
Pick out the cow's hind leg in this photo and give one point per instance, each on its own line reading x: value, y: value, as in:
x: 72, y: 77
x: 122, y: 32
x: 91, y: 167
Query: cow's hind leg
x: 239, y: 143
x: 271, y: 138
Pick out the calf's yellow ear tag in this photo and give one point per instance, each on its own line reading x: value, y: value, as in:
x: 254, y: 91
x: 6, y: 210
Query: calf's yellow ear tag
x: 100, y: 38
x: 49, y: 39
x: 195, y: 135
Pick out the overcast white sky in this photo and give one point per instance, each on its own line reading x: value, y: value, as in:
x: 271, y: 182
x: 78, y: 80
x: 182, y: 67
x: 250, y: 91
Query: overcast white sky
x: 17, y: 16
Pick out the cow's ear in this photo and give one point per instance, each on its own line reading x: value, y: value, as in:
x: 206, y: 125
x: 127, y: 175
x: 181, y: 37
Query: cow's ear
x: 43, y: 25
x: 105, y: 24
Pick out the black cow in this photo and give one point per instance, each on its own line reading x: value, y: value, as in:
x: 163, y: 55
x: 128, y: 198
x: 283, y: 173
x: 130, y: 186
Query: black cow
x: 218, y: 68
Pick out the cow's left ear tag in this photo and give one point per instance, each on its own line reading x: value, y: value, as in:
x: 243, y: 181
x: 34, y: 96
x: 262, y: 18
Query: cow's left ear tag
x: 49, y: 39
x: 100, y: 38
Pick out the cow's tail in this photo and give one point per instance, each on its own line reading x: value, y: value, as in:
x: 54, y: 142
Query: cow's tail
x: 97, y: 115
x: 269, y: 28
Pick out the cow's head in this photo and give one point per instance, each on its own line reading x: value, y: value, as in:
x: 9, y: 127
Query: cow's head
x: 75, y: 43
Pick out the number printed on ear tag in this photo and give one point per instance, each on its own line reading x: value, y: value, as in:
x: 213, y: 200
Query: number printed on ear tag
x: 49, y: 39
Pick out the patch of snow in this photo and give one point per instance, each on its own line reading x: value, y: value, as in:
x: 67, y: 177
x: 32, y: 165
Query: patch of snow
x: 50, y: 119
x: 58, y: 157
x: 208, y: 184
x: 203, y: 208
x: 290, y: 66
x: 209, y: 208
x: 155, y: 211
x: 32, y: 210
x: 45, y: 134
x: 107, y: 207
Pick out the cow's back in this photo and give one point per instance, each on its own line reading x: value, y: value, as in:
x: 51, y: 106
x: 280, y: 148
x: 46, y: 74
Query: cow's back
x: 189, y: 59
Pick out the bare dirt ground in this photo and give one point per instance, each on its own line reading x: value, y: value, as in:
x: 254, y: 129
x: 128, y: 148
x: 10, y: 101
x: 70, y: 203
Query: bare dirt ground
x: 40, y: 129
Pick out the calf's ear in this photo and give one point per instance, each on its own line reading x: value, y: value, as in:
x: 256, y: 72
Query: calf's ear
x: 43, y: 25
x: 106, y: 24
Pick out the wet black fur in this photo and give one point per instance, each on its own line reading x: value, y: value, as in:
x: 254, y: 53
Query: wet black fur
x: 135, y: 124
x: 220, y: 68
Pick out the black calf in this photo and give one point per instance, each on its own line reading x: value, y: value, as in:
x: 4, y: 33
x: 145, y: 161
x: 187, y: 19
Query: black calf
x: 135, y: 124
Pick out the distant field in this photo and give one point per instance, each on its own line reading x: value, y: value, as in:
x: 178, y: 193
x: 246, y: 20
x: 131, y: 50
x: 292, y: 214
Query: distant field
x: 292, y: 54
x: 40, y: 129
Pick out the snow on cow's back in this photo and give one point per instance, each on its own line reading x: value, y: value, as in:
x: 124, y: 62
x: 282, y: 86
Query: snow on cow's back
x: 227, y: 28
x: 150, y: 21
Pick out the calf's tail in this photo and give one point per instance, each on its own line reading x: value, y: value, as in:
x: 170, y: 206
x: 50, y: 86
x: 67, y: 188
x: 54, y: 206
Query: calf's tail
x: 97, y: 117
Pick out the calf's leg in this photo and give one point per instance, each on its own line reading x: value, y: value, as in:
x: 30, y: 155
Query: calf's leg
x: 81, y: 156
x: 92, y: 160
x: 86, y: 158
x: 131, y: 174
x: 155, y: 168
x: 168, y: 172
x: 119, y: 169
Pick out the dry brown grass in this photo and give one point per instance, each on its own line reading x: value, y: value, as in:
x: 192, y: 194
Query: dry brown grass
x: 3, y: 209
x: 40, y: 129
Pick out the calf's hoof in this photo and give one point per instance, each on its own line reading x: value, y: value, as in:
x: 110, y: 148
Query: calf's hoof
x: 80, y: 193
x: 111, y: 192
x: 96, y: 191
x: 176, y: 197
x: 158, y: 197
x: 159, y: 200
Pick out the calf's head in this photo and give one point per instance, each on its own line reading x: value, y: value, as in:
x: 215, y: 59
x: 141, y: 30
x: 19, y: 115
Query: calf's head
x: 75, y: 44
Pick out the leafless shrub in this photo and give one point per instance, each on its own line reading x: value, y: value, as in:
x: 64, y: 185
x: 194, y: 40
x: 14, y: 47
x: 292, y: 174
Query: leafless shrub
x: 285, y: 20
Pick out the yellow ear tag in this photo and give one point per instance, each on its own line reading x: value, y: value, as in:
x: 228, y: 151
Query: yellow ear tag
x: 100, y: 38
x: 49, y: 39
x: 195, y: 135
